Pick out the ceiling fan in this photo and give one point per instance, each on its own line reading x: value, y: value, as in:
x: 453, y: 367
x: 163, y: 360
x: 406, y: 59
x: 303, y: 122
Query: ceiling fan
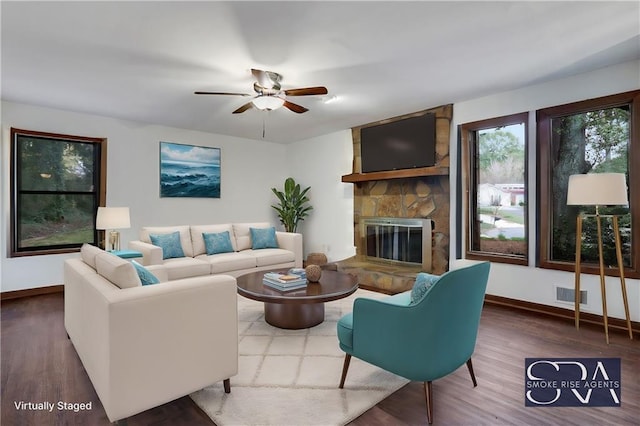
x: 270, y: 95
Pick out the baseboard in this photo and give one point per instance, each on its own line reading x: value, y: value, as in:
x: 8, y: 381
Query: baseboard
x: 616, y: 324
x: 17, y: 294
x: 554, y: 311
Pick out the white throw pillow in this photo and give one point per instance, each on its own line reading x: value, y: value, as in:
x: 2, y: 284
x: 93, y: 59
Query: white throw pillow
x: 118, y: 271
x: 89, y: 253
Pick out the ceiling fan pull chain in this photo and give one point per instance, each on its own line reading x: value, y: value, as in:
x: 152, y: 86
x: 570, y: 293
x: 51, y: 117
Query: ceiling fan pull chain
x: 263, y: 124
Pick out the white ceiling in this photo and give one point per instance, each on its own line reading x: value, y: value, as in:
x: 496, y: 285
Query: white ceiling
x: 142, y: 61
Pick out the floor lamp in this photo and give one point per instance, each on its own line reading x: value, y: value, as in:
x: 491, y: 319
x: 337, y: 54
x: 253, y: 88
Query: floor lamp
x: 113, y: 218
x: 599, y: 189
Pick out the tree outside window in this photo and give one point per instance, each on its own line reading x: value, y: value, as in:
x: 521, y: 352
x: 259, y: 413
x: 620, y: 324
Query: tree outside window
x: 57, y: 186
x: 595, y: 136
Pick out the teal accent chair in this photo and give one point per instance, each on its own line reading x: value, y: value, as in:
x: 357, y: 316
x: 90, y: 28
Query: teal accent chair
x: 424, y: 340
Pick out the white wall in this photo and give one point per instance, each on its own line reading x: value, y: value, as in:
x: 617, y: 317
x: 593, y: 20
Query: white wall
x: 133, y: 181
x: 528, y: 282
x: 320, y: 163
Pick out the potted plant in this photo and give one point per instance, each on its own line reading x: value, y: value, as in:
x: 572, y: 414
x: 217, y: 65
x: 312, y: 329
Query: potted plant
x: 293, y: 205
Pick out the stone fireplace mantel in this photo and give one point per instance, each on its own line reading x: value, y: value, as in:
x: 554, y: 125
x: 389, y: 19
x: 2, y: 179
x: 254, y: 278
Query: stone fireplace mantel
x: 396, y: 174
x: 414, y: 193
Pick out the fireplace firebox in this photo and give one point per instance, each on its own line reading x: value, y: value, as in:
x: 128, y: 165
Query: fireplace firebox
x: 398, y: 240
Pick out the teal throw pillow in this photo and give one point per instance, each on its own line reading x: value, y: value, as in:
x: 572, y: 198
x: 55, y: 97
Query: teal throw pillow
x: 262, y: 238
x: 421, y: 287
x: 146, y: 277
x: 170, y: 244
x: 219, y: 242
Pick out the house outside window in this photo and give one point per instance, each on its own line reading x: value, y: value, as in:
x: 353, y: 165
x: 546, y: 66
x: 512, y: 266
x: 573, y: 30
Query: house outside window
x: 57, y: 183
x: 593, y: 136
x: 496, y: 181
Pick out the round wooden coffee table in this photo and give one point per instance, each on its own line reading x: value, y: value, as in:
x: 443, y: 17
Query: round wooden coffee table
x: 300, y: 308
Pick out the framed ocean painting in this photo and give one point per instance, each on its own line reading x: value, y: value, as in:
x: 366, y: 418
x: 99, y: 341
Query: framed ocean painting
x: 189, y: 171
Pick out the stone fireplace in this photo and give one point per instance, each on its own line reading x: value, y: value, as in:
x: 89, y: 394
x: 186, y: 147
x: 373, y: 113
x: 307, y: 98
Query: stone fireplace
x: 421, y: 194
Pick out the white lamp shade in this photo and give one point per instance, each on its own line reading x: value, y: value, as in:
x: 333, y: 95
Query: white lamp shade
x: 268, y: 102
x: 113, y: 218
x: 597, y: 189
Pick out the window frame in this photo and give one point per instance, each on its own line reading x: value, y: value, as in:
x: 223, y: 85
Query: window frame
x: 470, y: 144
x: 100, y: 191
x: 544, y: 118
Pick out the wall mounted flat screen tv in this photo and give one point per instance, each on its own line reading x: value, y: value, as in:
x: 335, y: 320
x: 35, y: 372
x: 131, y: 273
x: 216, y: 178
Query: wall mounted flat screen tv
x: 402, y: 144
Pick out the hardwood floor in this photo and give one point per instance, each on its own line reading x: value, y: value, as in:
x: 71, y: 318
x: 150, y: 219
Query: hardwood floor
x: 40, y: 364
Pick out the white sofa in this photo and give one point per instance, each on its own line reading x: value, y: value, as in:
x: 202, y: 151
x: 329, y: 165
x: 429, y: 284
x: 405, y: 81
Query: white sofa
x: 143, y: 346
x: 242, y: 260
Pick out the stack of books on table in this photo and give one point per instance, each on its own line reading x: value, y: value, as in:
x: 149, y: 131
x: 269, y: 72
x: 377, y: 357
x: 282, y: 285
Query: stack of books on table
x: 284, y: 282
x: 298, y: 271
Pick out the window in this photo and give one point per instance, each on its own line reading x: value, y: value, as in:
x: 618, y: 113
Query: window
x: 497, y: 188
x: 592, y: 136
x: 57, y: 184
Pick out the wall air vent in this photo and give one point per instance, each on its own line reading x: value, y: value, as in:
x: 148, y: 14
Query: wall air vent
x: 564, y: 294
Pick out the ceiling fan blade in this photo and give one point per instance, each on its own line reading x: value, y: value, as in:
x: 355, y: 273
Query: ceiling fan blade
x: 243, y: 108
x: 295, y: 107
x: 222, y: 93
x: 318, y: 90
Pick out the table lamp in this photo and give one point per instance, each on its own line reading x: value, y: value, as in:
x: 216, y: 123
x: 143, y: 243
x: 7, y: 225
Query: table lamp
x: 599, y: 189
x: 113, y: 218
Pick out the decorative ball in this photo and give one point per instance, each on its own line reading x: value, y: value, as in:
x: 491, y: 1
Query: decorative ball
x: 314, y: 272
x: 316, y: 259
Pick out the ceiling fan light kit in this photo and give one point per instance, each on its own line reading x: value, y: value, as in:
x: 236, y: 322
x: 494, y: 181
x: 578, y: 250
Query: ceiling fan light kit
x: 270, y: 96
x: 267, y: 102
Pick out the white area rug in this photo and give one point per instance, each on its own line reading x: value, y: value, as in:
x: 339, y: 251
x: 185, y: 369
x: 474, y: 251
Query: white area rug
x: 291, y: 377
